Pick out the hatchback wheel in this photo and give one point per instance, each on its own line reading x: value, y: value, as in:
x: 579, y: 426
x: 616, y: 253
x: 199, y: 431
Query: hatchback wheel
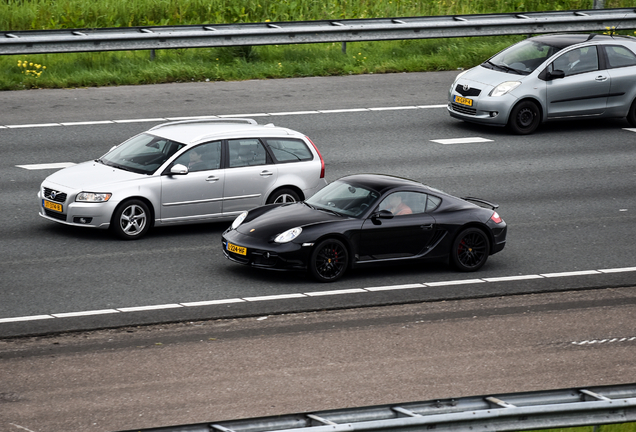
x: 631, y: 115
x: 470, y: 250
x: 283, y: 196
x: 524, y: 118
x: 329, y: 260
x: 131, y: 220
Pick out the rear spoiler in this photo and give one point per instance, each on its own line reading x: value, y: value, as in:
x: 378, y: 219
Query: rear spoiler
x: 481, y: 201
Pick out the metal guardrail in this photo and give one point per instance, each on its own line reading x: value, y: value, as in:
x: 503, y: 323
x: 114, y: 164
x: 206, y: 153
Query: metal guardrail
x: 508, y: 412
x: 354, y: 30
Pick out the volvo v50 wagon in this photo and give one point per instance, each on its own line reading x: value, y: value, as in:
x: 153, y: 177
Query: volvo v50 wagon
x: 184, y: 172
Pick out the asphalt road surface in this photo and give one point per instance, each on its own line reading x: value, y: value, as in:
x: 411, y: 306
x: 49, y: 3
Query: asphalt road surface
x: 208, y: 371
x: 566, y: 192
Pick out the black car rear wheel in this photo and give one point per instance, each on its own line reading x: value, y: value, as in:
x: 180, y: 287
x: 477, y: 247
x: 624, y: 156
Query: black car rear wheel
x: 329, y: 260
x: 524, y: 118
x: 470, y: 250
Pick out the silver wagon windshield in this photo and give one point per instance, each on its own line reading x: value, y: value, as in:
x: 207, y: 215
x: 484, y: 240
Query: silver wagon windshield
x: 522, y: 58
x: 142, y: 154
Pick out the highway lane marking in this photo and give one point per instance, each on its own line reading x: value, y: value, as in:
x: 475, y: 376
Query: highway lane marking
x: 467, y: 140
x: 315, y: 294
x: 601, y: 341
x: 272, y: 114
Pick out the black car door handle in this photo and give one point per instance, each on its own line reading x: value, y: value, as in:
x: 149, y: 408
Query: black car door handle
x: 426, y: 227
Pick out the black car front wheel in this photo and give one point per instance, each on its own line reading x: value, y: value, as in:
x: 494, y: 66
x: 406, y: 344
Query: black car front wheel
x: 131, y: 220
x: 524, y: 118
x: 470, y: 250
x: 329, y: 260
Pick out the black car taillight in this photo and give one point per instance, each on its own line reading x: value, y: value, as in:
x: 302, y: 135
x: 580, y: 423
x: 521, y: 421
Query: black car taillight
x: 496, y: 218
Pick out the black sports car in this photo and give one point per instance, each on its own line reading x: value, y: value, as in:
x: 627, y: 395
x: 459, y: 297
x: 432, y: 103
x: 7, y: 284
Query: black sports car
x: 366, y: 219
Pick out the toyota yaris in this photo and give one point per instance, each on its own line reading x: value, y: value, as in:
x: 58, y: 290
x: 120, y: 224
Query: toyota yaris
x: 550, y: 77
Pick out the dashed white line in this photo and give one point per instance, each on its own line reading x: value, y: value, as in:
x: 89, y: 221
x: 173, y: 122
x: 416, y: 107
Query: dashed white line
x: 467, y: 140
x: 319, y: 294
x: 601, y: 341
x: 273, y: 114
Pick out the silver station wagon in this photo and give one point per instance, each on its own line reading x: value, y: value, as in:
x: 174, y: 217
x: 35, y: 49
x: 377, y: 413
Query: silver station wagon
x: 184, y: 172
x: 551, y: 77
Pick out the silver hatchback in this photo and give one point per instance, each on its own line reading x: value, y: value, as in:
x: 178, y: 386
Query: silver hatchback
x: 184, y: 172
x: 550, y: 77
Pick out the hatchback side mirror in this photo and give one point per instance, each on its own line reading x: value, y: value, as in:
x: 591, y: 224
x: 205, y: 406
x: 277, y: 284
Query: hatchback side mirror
x: 556, y: 74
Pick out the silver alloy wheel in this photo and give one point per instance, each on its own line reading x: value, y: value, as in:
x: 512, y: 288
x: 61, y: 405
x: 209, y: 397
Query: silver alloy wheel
x: 285, y: 198
x: 133, y: 220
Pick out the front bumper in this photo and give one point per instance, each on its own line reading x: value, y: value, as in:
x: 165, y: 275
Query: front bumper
x: 262, y: 254
x: 493, y: 111
x: 93, y: 215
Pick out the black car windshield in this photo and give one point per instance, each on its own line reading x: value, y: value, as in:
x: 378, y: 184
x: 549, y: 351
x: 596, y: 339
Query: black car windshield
x: 522, y: 58
x: 344, y: 199
x: 142, y: 154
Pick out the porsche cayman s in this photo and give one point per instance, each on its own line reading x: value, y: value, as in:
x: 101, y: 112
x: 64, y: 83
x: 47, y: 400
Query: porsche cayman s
x: 366, y: 219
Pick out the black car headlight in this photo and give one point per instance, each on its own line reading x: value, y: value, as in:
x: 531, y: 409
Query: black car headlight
x: 239, y: 220
x: 288, y: 235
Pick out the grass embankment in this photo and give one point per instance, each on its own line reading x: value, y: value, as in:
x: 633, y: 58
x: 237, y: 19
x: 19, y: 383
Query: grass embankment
x: 259, y: 62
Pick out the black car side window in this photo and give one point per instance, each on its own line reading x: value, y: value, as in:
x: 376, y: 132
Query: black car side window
x: 432, y: 203
x: 619, y: 56
x: 404, y: 203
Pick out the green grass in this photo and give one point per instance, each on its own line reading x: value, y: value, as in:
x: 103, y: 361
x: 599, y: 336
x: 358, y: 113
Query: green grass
x: 236, y: 63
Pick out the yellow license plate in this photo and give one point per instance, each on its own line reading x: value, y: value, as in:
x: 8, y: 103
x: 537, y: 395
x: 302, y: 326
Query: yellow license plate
x: 463, y: 101
x: 236, y: 249
x: 52, y: 206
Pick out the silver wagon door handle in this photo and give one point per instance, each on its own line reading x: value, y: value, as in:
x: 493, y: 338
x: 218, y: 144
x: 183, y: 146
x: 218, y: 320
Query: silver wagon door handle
x: 266, y: 173
x: 601, y: 78
x: 212, y: 179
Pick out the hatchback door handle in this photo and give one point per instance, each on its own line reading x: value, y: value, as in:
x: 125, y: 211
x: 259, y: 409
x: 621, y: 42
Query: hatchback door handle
x: 212, y: 179
x: 266, y: 173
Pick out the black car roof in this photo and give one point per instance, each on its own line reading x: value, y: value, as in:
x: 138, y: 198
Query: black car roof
x: 566, y: 39
x: 380, y: 182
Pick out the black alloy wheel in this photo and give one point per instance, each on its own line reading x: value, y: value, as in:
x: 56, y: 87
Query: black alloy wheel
x: 131, y: 220
x: 524, y: 118
x: 470, y: 250
x: 329, y: 260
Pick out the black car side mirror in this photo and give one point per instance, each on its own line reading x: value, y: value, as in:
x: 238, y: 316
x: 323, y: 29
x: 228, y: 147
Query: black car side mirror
x: 556, y: 74
x: 382, y: 214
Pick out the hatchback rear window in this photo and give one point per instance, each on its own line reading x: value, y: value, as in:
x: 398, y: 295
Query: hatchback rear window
x: 619, y: 56
x: 289, y: 150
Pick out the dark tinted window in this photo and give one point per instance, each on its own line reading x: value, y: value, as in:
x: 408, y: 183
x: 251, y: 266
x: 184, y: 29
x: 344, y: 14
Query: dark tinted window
x: 289, y: 150
x: 619, y: 56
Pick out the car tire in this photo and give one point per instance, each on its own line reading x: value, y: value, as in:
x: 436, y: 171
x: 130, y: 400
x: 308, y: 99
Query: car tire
x: 329, y: 260
x: 470, y: 250
x: 524, y: 118
x: 631, y: 115
x: 131, y: 220
x: 283, y: 196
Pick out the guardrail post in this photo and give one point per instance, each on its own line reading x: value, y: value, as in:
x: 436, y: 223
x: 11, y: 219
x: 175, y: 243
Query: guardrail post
x: 344, y: 47
x: 152, y: 55
x: 599, y: 4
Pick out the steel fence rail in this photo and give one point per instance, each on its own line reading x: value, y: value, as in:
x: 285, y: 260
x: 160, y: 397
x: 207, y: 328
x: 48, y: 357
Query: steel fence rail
x: 301, y: 32
x: 508, y: 412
